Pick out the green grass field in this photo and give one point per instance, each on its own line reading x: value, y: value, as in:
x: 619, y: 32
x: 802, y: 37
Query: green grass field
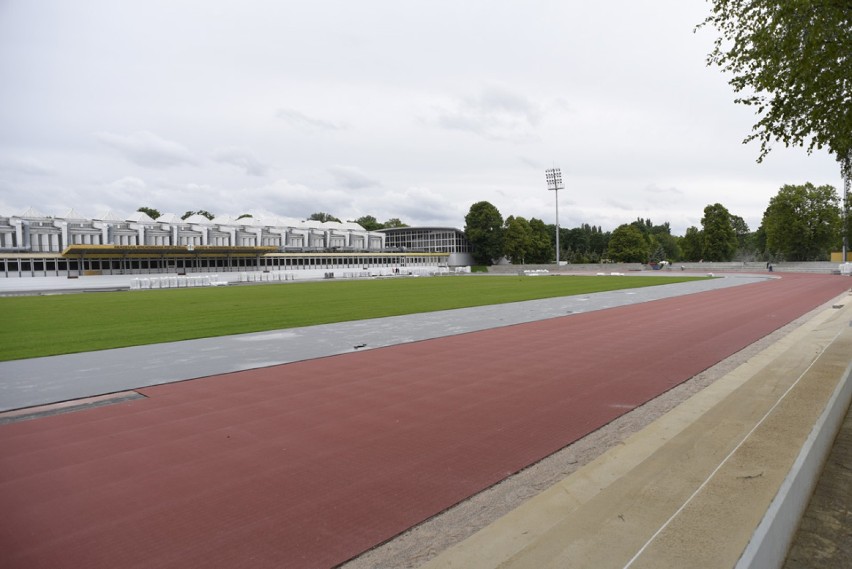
x: 49, y: 325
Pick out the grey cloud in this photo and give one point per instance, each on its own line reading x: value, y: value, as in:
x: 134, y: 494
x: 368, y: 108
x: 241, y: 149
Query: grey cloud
x: 287, y: 199
x: 351, y: 177
x: 26, y: 165
x: 496, y: 100
x: 147, y: 149
x: 620, y: 205
x: 656, y: 190
x: 418, y: 205
x: 495, y: 113
x: 303, y: 121
x: 129, y: 193
x: 241, y: 158
x: 531, y: 162
x: 127, y: 183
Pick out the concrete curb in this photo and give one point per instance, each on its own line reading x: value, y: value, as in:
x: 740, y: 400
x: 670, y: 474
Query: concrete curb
x: 774, y: 535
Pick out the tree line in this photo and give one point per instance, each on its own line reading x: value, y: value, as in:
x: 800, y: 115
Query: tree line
x: 801, y: 223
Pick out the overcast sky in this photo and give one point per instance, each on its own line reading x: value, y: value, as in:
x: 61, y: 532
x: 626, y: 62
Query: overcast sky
x: 391, y: 108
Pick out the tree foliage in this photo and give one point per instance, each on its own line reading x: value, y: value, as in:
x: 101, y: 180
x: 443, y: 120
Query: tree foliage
x: 846, y: 230
x: 657, y: 253
x: 541, y: 249
x: 665, y: 246
x: 394, y: 222
x: 150, y: 212
x: 517, y: 239
x: 720, y: 239
x: 323, y: 217
x: 484, y: 231
x: 802, y: 223
x: 740, y: 230
x: 369, y: 223
x: 628, y: 245
x: 792, y: 61
x: 583, y: 244
x: 203, y: 212
x: 692, y: 245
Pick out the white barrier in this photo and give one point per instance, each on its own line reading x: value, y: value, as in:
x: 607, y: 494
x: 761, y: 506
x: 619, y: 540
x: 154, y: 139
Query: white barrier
x: 193, y: 281
x: 270, y: 276
x: 172, y: 281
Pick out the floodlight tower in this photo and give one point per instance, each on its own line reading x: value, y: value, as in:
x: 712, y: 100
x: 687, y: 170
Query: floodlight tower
x: 554, y: 182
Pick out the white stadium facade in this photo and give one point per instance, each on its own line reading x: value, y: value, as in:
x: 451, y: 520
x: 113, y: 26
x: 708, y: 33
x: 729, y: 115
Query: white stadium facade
x: 33, y: 244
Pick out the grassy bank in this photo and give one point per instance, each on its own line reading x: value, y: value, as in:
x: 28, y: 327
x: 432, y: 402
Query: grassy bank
x: 49, y: 325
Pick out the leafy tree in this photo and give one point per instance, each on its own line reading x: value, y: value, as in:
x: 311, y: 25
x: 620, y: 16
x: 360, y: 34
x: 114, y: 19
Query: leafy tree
x: 846, y: 229
x: 792, y: 61
x: 203, y: 212
x: 747, y: 248
x: 583, y: 244
x: 741, y: 231
x: 643, y: 225
x: 577, y: 242
x: 484, y: 231
x: 150, y: 212
x: 564, y: 241
x: 369, y: 223
x: 541, y: 249
x: 664, y: 229
x: 692, y: 244
x: 846, y: 196
x: 598, y: 243
x: 720, y: 239
x: 657, y: 254
x: 628, y: 245
x: 245, y: 215
x: 323, y: 217
x: 669, y: 245
x: 659, y: 239
x: 517, y: 239
x: 802, y: 223
x: 758, y: 239
x: 394, y: 222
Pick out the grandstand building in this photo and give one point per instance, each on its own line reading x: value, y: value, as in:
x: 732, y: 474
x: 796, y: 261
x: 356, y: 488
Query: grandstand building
x: 33, y: 244
x: 435, y: 239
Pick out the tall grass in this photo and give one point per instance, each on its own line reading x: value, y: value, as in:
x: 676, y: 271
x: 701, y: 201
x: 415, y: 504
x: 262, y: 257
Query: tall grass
x: 48, y: 325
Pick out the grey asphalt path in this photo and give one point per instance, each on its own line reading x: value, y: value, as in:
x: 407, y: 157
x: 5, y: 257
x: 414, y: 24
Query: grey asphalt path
x: 41, y: 381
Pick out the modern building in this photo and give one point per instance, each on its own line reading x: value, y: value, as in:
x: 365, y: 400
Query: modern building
x: 431, y: 239
x: 35, y: 244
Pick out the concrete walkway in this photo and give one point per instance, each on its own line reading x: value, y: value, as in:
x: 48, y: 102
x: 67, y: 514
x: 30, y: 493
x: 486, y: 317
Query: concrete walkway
x: 720, y: 481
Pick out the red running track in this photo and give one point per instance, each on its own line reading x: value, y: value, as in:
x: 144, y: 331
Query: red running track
x: 309, y: 464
